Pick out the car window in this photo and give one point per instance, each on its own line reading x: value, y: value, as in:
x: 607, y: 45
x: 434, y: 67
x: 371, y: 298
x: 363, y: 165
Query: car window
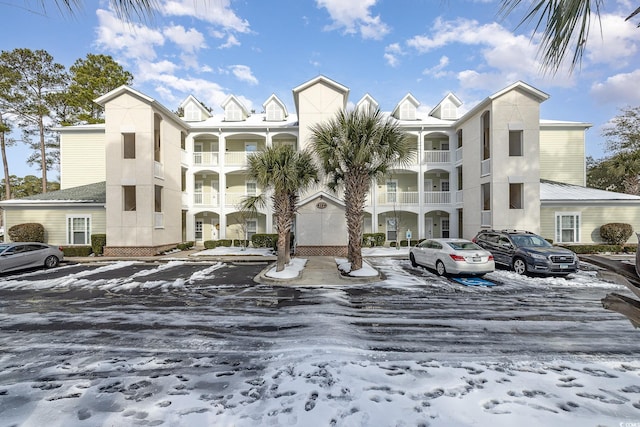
x: 538, y: 241
x: 14, y: 250
x: 491, y: 238
x: 504, y: 241
x: 30, y: 248
x: 436, y: 245
x: 464, y: 246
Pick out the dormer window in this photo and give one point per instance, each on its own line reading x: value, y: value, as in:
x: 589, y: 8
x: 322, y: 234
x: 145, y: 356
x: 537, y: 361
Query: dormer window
x: 449, y: 111
x: 233, y: 112
x: 274, y: 112
x: 407, y: 111
x: 192, y: 113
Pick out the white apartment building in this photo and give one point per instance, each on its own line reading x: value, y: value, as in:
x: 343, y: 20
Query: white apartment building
x: 170, y: 178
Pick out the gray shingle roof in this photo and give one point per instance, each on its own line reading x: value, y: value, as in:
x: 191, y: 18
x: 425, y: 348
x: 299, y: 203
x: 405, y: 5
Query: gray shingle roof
x: 554, y: 191
x: 90, y: 193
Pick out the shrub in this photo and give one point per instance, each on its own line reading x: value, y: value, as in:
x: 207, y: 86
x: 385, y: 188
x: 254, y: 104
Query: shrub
x: 239, y: 243
x: 601, y: 248
x: 98, y: 242
x: 616, y: 233
x: 224, y: 242
x: 77, y: 251
x: 210, y: 244
x: 373, y: 239
x: 185, y: 245
x: 261, y: 240
x: 27, y: 232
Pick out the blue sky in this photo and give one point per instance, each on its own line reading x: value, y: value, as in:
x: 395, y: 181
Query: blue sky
x: 386, y: 48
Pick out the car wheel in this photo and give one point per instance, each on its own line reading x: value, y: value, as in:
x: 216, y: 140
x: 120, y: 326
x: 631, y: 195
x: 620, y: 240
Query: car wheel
x: 51, y: 261
x: 413, y: 260
x: 519, y: 266
x: 440, y: 268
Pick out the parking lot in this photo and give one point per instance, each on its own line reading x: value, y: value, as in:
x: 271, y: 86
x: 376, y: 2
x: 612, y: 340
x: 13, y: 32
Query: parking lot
x: 141, y: 334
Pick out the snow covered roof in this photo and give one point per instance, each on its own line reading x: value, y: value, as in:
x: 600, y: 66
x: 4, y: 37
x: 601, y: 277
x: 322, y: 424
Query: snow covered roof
x: 551, y: 192
x: 90, y: 193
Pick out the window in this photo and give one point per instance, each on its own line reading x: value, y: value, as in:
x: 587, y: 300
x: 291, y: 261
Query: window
x: 444, y: 185
x: 129, y: 145
x: 460, y: 138
x: 274, y: 112
x: 515, y: 143
x: 407, y: 111
x: 183, y: 140
x: 157, y: 120
x: 252, y: 188
x: 392, y: 191
x: 192, y: 113
x: 233, y: 112
x: 486, y: 196
x: 252, y: 228
x: 158, y: 198
x: 129, y: 195
x: 486, y: 136
x: 444, y: 222
x: 79, y: 230
x: 448, y: 110
x: 516, y: 196
x: 567, y: 227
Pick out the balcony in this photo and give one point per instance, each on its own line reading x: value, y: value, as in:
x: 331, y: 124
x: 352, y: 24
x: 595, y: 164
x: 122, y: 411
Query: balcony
x: 203, y: 158
x: 206, y: 199
x: 185, y: 199
x: 459, y: 154
x: 236, y: 158
x: 399, y: 198
x: 437, y: 197
x: 436, y: 156
x: 459, y: 196
x: 235, y: 199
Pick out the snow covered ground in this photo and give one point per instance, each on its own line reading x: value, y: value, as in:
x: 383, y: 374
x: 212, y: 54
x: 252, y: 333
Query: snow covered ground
x: 199, y: 344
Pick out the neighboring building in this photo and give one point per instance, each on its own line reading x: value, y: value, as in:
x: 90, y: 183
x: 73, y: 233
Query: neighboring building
x: 169, y: 179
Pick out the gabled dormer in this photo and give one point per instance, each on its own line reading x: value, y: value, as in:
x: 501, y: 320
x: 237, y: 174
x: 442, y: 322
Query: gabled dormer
x: 234, y: 111
x: 406, y: 108
x: 447, y: 109
x: 367, y: 103
x: 275, y: 110
x: 193, y: 110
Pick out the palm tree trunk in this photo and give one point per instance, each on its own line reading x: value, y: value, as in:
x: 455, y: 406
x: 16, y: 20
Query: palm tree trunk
x: 356, y: 188
x: 281, y: 205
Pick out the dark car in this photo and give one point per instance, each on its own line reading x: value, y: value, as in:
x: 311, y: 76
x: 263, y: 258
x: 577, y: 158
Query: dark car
x: 19, y: 255
x: 526, y: 252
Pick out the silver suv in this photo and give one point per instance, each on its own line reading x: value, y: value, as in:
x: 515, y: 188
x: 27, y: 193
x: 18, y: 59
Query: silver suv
x: 526, y: 252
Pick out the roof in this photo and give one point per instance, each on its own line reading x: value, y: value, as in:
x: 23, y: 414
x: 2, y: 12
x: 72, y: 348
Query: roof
x: 90, y: 193
x: 324, y: 80
x: 551, y: 191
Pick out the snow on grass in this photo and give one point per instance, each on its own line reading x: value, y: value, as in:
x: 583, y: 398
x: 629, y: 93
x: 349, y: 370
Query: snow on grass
x: 290, y: 271
x: 226, y: 251
x: 366, y: 271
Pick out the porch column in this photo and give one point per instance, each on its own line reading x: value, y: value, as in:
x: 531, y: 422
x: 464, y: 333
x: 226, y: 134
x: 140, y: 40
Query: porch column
x: 222, y: 182
x: 421, y: 171
x: 190, y: 218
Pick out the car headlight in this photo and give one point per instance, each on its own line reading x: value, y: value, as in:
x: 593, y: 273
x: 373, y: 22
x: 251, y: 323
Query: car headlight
x: 539, y: 256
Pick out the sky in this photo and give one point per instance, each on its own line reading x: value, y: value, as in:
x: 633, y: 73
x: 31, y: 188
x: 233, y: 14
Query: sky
x: 252, y: 49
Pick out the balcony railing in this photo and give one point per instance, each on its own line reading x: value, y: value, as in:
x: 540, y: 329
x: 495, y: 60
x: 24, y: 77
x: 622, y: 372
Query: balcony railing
x: 400, y: 198
x: 436, y: 156
x: 485, y: 218
x: 437, y: 197
x: 459, y: 197
x: 234, y: 199
x: 204, y: 158
x: 158, y: 170
x: 485, y: 167
x: 458, y: 154
x: 158, y: 220
x: 236, y: 158
x: 205, y: 199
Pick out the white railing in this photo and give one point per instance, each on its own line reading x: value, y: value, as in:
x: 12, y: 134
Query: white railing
x: 234, y: 199
x: 437, y: 197
x: 236, y: 158
x: 436, y: 156
x: 459, y: 196
x: 485, y: 167
x: 158, y: 170
x: 205, y: 199
x: 401, y: 198
x: 205, y: 158
x: 458, y: 154
x: 485, y: 218
x: 158, y: 220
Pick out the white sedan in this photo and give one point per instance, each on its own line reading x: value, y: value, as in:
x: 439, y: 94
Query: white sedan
x: 452, y: 256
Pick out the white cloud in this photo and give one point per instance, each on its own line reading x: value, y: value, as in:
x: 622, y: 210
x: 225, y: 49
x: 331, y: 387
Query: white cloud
x: 243, y: 73
x: 616, y: 45
x: 620, y: 89
x: 133, y: 41
x: 189, y: 40
x: 391, y: 54
x: 217, y: 12
x: 354, y: 17
x: 438, y: 70
x: 231, y: 41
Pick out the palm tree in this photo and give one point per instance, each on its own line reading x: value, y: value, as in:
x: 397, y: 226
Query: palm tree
x: 125, y: 9
x: 284, y: 173
x: 565, y: 22
x: 355, y: 148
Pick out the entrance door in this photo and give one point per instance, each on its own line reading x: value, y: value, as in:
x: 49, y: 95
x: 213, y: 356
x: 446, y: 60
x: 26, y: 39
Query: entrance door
x: 428, y: 228
x: 392, y: 229
x: 198, y: 235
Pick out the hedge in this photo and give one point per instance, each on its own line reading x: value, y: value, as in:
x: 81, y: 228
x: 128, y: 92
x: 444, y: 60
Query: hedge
x: 98, y: 242
x: 262, y: 240
x: 77, y: 250
x: 616, y: 233
x: 185, y: 245
x: 373, y: 239
x: 601, y: 248
x: 27, y: 232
